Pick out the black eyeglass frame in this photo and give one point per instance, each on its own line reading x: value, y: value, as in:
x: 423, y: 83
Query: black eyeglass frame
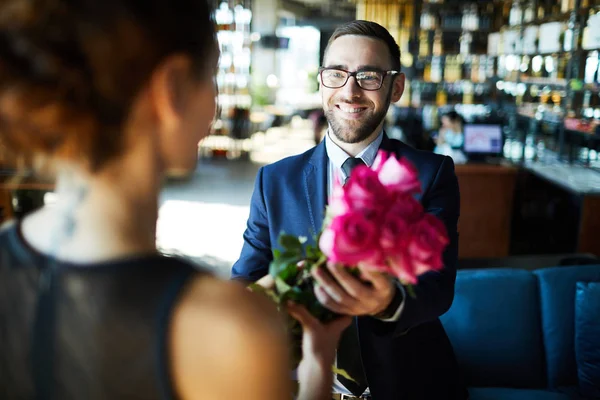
x: 350, y: 74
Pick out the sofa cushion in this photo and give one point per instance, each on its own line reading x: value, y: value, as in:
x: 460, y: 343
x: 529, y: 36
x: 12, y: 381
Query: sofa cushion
x: 494, y: 326
x: 587, y: 338
x: 557, y: 291
x: 514, y: 394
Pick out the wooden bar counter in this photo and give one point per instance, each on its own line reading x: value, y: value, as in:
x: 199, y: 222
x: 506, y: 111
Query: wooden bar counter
x: 486, y: 206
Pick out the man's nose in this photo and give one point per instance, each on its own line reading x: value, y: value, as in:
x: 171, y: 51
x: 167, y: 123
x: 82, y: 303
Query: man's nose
x: 351, y: 88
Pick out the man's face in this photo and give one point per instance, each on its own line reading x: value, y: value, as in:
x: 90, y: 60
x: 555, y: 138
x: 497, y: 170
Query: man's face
x: 355, y: 114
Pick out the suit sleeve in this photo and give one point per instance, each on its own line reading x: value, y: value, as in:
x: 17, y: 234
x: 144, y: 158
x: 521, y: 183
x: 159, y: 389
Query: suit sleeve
x: 434, y: 292
x: 256, y: 253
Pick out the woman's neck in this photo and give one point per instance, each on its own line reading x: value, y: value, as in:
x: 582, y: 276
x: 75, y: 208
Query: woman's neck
x: 99, y: 217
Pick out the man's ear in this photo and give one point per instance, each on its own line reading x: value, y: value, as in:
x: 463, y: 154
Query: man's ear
x: 398, y: 87
x: 169, y: 91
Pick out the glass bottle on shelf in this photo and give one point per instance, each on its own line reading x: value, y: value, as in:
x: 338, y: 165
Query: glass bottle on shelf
x: 541, y: 12
x: 423, y: 44
x: 529, y: 13
x: 466, y: 38
x: 566, y: 5
x: 475, y: 68
x: 591, y: 67
x: 515, y: 15
x: 437, y: 43
x: 427, y: 73
x: 448, y: 74
x: 436, y: 69
x: 561, y: 66
x: 467, y: 88
x: 441, y: 98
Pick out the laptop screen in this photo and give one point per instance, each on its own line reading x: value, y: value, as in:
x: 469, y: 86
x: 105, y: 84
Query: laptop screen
x: 483, y: 139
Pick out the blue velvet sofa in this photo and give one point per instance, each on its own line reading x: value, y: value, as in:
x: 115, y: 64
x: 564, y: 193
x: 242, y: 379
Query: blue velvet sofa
x: 528, y: 335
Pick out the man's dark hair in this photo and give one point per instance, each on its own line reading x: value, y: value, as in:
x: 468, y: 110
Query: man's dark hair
x: 369, y: 29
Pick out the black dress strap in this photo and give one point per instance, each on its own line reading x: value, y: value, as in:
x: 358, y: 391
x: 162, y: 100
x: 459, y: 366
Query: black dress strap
x: 170, y: 296
x: 43, y: 336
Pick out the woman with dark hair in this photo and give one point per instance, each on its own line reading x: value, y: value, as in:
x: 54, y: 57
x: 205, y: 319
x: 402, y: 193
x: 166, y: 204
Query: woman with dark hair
x: 117, y: 94
x: 450, y: 138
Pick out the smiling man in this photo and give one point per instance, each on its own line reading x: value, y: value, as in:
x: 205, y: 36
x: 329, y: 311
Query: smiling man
x: 397, y: 347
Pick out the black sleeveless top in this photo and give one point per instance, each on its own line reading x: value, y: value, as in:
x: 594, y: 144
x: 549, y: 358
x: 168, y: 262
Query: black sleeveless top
x: 88, y: 332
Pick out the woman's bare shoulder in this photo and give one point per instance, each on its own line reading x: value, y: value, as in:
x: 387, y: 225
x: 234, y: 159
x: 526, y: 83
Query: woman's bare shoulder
x: 227, y: 342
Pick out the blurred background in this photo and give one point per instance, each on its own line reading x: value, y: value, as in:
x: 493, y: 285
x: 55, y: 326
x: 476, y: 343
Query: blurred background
x: 509, y: 89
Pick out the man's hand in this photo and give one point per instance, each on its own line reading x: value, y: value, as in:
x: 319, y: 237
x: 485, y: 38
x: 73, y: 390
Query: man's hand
x: 343, y: 293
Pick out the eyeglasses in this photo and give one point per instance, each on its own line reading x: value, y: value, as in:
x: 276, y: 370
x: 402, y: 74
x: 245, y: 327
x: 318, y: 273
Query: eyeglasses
x: 334, y: 78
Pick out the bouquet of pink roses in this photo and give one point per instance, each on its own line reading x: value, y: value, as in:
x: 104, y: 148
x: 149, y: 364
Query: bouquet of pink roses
x: 373, y: 221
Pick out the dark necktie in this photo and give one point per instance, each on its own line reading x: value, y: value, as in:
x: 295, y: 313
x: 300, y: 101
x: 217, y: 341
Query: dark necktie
x: 348, y: 354
x: 350, y: 164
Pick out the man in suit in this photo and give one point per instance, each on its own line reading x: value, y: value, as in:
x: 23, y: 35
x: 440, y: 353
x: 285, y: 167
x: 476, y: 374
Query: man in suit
x: 397, y: 347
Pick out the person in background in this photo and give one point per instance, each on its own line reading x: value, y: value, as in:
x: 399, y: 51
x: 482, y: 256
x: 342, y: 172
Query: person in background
x: 450, y: 138
x: 116, y: 95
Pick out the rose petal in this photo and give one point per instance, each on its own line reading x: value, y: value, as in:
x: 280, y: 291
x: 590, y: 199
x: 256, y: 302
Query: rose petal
x: 382, y: 156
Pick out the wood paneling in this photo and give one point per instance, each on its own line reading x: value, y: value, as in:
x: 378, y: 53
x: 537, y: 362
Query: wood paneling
x: 486, y: 193
x: 589, y: 226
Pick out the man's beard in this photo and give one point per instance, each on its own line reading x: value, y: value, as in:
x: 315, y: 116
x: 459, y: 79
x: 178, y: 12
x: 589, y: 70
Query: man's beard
x: 349, y: 134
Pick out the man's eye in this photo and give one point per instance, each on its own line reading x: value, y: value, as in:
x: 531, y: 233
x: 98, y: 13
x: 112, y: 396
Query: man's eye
x: 368, y: 76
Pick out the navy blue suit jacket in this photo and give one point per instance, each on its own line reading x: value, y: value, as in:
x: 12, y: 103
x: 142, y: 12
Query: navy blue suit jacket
x: 408, y: 359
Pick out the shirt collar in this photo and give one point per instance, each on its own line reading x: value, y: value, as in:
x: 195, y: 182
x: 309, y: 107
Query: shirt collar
x: 337, y: 156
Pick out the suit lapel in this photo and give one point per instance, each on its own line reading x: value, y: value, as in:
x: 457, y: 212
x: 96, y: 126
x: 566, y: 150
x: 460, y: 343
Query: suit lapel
x: 315, y: 186
x: 391, y: 146
x: 315, y: 180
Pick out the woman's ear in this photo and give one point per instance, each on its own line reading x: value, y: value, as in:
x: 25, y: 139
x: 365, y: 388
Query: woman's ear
x: 398, y: 87
x: 169, y: 89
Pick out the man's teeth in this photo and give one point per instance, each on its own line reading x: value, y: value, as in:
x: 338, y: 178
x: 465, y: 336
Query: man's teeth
x: 350, y: 109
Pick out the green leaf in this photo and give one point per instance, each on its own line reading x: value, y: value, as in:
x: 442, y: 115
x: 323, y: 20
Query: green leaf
x: 281, y: 286
x: 289, y: 273
x: 290, y: 243
x: 411, y: 291
x: 341, y: 372
x: 313, y: 253
x: 281, y: 264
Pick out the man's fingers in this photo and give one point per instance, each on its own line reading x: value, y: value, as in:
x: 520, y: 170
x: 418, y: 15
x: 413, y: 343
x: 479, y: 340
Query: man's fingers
x: 377, y: 279
x: 328, y: 302
x: 352, y: 285
x: 326, y: 281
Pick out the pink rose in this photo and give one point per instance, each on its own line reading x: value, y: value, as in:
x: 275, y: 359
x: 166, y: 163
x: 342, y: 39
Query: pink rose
x: 350, y: 239
x: 398, y: 176
x: 402, y: 268
x: 365, y: 193
x: 406, y: 207
x: 427, y: 241
x: 394, y: 234
x: 337, y: 204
